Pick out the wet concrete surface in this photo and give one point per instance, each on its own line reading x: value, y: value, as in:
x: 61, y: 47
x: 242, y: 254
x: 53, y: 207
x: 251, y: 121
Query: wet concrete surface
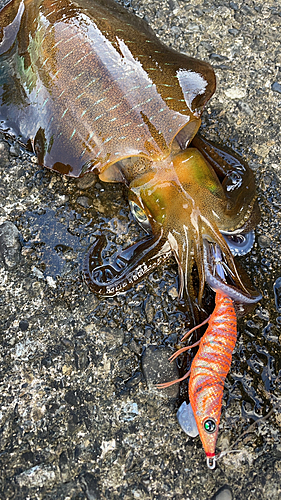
x: 78, y: 418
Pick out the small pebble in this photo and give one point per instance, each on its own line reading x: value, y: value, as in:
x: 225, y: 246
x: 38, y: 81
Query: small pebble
x: 149, y: 311
x: 245, y: 108
x: 37, y: 272
x: 134, y: 380
x: 86, y: 181
x: 10, y: 246
x: 136, y: 348
x: 84, y: 201
x: 245, y: 9
x: 23, y: 325
x: 71, y: 398
x: 47, y: 362
x: 51, y: 282
x: 15, y: 150
x: 207, y: 46
x: 276, y: 87
x: 264, y: 241
x: 235, y: 93
x: 233, y: 31
x: 37, y: 477
x: 67, y: 342
x: 81, y: 359
x: 223, y: 493
x: 218, y: 57
x: 4, y: 154
x: 129, y: 411
x: 111, y: 337
x: 173, y: 292
x: 63, y: 462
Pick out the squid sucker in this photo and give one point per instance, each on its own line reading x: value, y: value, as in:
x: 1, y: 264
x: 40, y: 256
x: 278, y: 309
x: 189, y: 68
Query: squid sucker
x: 88, y: 87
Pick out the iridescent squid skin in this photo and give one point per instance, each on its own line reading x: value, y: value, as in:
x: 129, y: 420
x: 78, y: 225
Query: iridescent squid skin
x: 90, y: 88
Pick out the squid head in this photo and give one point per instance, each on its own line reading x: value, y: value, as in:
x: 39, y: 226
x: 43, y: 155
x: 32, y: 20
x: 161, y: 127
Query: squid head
x: 196, y: 204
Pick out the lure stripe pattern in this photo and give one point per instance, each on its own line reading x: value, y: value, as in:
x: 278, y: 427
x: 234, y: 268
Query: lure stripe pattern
x: 210, y: 368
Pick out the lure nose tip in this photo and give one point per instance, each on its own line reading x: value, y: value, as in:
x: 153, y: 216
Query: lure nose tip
x: 211, y: 460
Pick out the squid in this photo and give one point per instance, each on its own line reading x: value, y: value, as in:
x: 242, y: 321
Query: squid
x: 88, y: 87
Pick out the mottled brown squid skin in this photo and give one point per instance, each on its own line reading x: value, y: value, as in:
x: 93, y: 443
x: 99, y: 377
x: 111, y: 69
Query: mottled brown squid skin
x: 89, y: 84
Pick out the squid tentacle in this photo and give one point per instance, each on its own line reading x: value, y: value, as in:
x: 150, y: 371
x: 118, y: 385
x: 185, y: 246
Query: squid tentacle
x: 129, y: 266
x: 245, y: 295
x: 184, y: 259
x: 226, y: 259
x: 200, y: 264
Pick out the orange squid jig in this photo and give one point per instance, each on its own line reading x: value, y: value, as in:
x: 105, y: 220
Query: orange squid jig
x: 208, y: 371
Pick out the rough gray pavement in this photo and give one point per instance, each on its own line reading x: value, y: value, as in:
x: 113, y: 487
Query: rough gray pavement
x: 77, y: 418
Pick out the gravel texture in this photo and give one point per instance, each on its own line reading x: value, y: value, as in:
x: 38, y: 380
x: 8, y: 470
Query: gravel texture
x: 79, y: 415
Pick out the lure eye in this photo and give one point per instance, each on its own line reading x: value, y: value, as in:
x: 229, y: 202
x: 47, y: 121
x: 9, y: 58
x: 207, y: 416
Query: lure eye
x: 140, y: 216
x: 210, y: 425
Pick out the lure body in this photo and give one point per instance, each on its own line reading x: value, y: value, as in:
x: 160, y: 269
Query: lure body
x: 209, y: 369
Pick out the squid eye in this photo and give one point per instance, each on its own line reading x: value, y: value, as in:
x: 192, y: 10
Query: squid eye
x: 210, y: 425
x: 140, y: 216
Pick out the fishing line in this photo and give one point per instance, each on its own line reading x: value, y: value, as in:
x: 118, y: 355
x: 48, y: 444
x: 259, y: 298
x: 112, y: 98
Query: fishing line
x: 258, y: 421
